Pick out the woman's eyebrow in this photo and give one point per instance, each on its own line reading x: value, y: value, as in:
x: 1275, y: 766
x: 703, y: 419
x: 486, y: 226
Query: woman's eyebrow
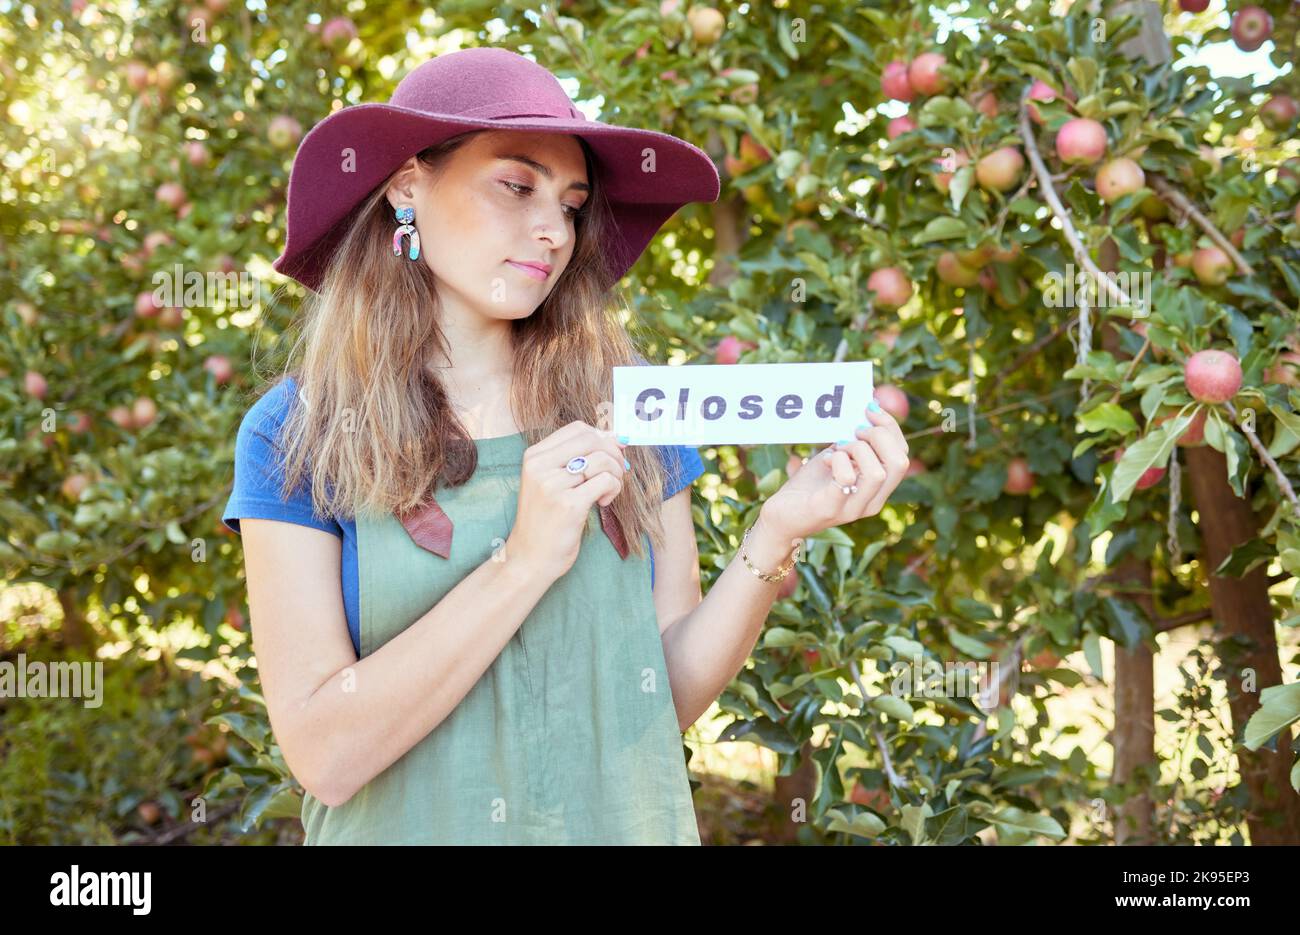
x: 545, y: 170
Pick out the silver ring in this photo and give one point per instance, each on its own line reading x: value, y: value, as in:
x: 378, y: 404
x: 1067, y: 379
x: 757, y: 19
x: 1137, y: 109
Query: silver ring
x: 576, y: 465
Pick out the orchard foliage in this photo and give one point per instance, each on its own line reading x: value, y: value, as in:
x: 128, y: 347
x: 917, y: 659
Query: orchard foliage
x: 913, y: 185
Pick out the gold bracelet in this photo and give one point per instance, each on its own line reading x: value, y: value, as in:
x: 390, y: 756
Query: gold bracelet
x: 781, y: 571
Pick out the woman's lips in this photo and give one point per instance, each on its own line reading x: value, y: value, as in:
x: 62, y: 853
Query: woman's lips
x: 532, y: 271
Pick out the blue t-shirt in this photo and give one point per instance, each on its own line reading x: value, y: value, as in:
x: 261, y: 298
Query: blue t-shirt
x: 258, y: 476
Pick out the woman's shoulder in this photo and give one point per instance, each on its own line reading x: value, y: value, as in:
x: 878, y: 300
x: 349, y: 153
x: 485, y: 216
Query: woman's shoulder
x: 268, y: 412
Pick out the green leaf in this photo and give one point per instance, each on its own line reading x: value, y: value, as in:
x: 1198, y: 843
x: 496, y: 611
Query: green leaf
x: 1092, y: 653
x: 1245, y: 558
x: 1110, y: 416
x: 1013, y: 819
x: 941, y: 228
x: 1083, y: 71
x: 1152, y: 450
x: 865, y: 824
x: 968, y: 645
x: 780, y: 637
x: 893, y: 706
x: 1279, y: 707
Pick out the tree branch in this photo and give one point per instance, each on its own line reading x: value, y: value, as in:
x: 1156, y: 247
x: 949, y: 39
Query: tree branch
x: 1264, y: 456
x: 1162, y: 187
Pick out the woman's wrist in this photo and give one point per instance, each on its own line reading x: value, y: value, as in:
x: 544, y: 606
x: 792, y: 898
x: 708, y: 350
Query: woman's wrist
x: 767, y: 547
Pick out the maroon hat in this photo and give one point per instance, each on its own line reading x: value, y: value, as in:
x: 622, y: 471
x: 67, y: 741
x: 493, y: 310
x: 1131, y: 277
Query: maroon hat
x: 472, y: 89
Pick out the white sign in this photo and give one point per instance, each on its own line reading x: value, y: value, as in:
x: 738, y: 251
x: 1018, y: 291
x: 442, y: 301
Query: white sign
x: 740, y: 404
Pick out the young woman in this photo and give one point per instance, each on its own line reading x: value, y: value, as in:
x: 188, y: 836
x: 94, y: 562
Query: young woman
x: 454, y: 646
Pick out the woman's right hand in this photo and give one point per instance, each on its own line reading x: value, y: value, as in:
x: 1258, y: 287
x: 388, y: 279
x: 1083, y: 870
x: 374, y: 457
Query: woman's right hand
x: 553, y: 504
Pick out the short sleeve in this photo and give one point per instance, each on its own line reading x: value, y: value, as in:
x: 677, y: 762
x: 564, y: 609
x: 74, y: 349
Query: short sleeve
x: 682, y: 467
x: 259, y: 470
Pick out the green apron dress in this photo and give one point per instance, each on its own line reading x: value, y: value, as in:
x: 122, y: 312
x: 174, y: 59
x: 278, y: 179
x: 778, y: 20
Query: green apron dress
x: 569, y: 737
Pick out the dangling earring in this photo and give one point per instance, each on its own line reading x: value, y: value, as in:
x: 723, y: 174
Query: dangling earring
x: 405, y: 215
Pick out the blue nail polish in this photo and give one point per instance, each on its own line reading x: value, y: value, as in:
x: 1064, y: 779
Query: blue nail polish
x: 842, y: 441
x: 623, y: 439
x: 864, y: 426
x: 874, y: 406
x: 627, y: 464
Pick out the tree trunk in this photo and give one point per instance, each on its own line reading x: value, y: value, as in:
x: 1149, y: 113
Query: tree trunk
x: 1244, y: 617
x: 1133, y: 734
x: 77, y: 632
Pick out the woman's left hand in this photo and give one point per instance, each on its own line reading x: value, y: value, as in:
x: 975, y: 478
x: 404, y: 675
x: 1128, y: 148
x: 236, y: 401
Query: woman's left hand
x: 813, y: 499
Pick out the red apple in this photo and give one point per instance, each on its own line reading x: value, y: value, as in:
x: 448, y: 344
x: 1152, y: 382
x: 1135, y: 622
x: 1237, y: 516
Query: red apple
x: 1279, y: 112
x: 1283, y: 370
x: 894, y: 83
x: 121, y: 417
x: 729, y: 348
x: 144, y: 305
x: 924, y: 75
x: 706, y: 23
x: 877, y: 799
x: 953, y: 271
x: 171, y: 317
x: 220, y: 368
x: 170, y: 194
x: 1193, y: 435
x: 788, y: 585
x: 137, y: 76
x: 1212, y: 376
x: 1211, y: 266
x: 1251, y: 28
x: 338, y: 32
x: 155, y: 239
x: 915, y: 466
x: 166, y: 75
x: 78, y: 422
x: 1150, y: 477
x: 898, y: 126
x: 943, y: 178
x: 1000, y: 170
x: 891, y: 286
x: 73, y: 485
x: 198, y: 17
x: 149, y: 813
x: 1118, y: 178
x: 893, y: 401
x: 987, y: 104
x: 888, y: 336
x: 143, y: 411
x: 235, y: 617
x: 1039, y: 90
x: 1081, y: 141
x: 1194, y: 6
x: 1020, y: 479
x: 283, y: 131
x: 755, y: 153
x: 35, y: 385
x: 196, y: 153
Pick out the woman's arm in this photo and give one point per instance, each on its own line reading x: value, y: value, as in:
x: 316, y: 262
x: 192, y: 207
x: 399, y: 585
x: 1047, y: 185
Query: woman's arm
x: 341, y: 721
x: 707, y: 642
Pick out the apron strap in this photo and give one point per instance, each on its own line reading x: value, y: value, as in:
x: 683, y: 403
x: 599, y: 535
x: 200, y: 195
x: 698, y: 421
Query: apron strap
x: 431, y: 528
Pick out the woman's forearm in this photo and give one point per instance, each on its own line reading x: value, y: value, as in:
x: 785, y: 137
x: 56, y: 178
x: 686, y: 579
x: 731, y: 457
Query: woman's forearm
x: 375, y: 710
x: 705, y: 649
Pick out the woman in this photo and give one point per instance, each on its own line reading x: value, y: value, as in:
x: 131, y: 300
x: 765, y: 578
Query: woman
x: 453, y: 646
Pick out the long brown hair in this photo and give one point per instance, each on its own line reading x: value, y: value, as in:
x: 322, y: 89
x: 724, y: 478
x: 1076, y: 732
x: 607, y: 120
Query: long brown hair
x: 377, y: 434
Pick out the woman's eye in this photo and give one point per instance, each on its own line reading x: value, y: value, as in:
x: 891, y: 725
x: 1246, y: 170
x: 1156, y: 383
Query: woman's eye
x: 515, y: 186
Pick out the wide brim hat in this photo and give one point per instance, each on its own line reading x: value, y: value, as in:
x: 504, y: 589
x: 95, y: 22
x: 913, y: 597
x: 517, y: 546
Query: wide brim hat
x: 473, y: 89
